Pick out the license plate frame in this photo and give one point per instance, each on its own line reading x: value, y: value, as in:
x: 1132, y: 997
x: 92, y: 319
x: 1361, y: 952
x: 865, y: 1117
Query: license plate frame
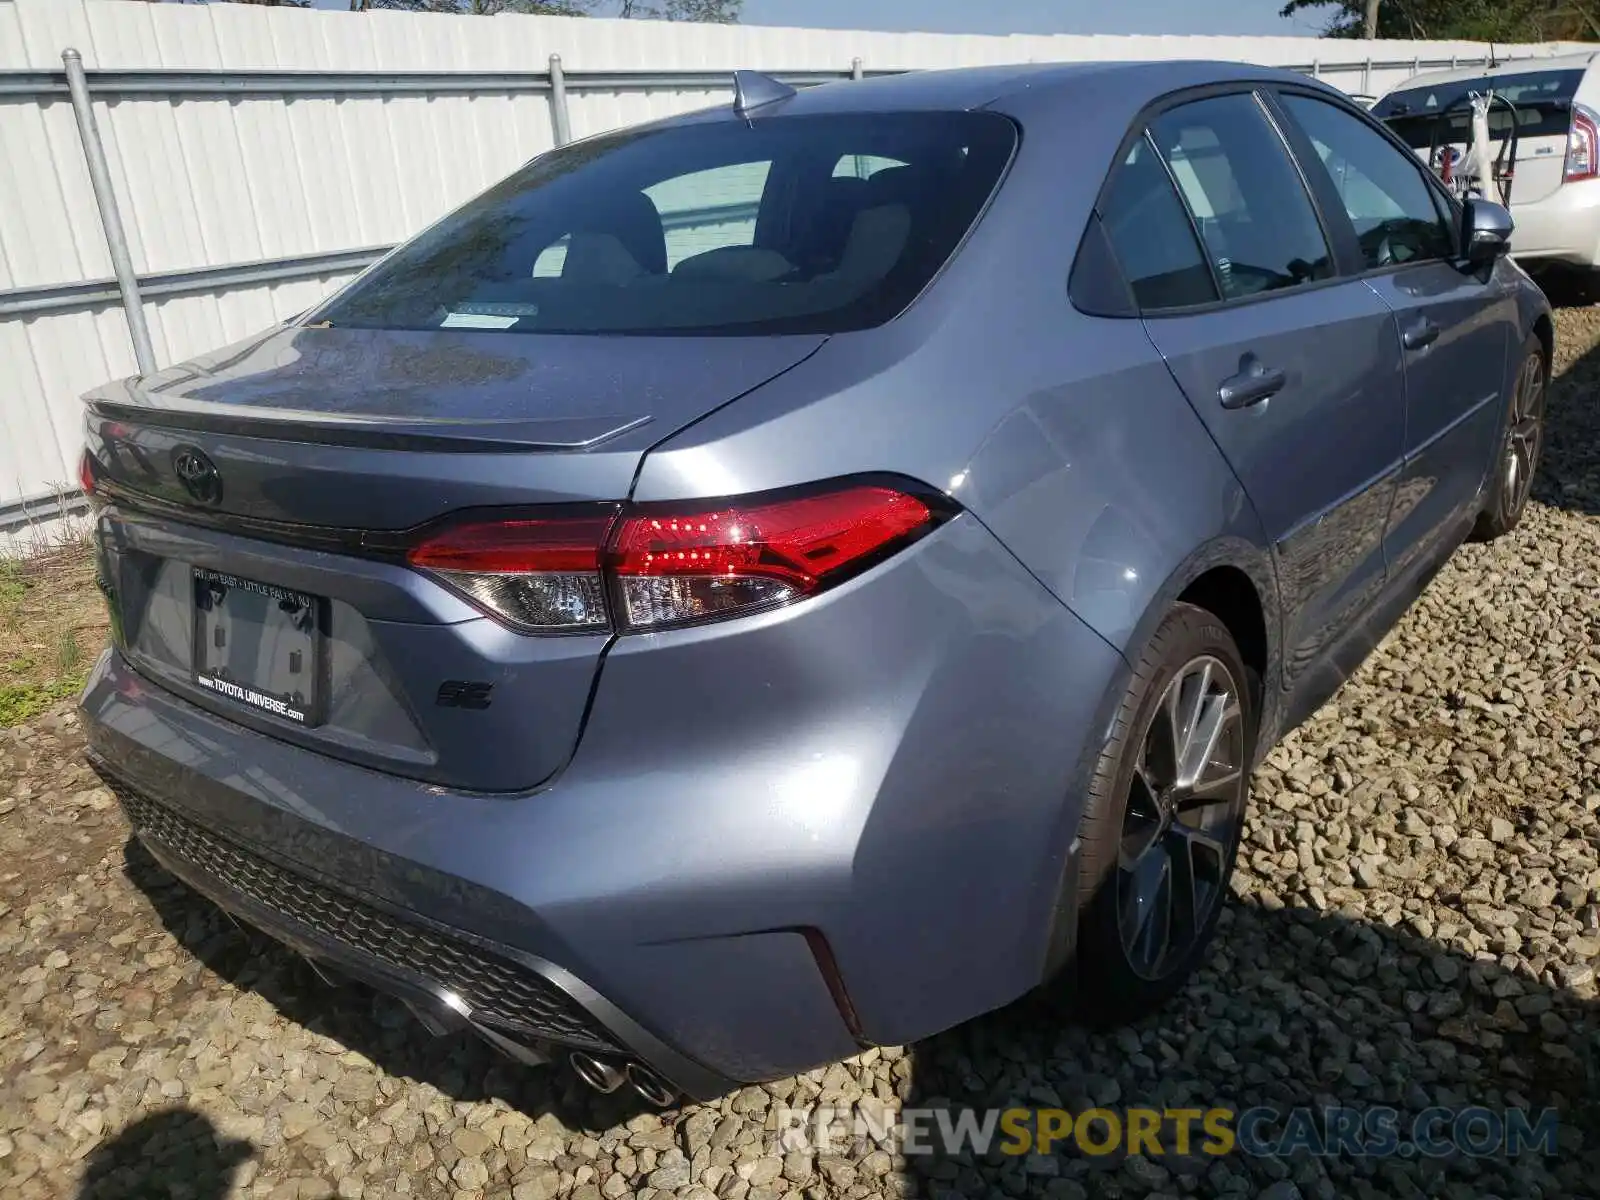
x: 289, y: 646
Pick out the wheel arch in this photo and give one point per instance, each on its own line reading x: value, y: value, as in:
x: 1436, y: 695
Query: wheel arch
x: 1230, y: 595
x: 1533, y: 316
x: 1545, y: 330
x: 1235, y: 581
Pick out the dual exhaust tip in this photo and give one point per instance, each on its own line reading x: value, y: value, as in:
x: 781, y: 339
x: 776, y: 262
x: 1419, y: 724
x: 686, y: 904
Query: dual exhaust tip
x: 606, y: 1076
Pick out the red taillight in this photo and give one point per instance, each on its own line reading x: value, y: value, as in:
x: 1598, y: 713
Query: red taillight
x: 1583, y: 145
x: 86, y: 478
x: 669, y: 565
x: 516, y: 546
x: 688, y: 564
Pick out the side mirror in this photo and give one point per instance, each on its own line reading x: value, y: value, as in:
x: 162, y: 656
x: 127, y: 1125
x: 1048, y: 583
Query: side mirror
x: 1486, y: 229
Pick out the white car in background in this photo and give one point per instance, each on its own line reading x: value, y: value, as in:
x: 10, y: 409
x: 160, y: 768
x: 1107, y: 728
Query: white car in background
x: 1555, y: 187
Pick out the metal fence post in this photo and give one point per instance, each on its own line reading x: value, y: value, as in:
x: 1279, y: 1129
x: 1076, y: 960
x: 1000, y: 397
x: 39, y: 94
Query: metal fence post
x: 1366, y: 77
x: 857, y: 70
x: 110, y: 218
x: 559, y: 119
x: 1316, y: 68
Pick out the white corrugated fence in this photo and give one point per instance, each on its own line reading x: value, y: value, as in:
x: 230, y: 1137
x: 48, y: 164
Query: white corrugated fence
x: 260, y: 156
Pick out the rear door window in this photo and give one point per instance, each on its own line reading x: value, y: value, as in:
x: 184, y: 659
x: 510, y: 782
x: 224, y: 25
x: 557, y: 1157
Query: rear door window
x: 812, y: 224
x: 1245, y: 194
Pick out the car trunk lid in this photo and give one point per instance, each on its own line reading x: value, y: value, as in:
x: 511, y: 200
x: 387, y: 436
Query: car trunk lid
x: 384, y: 429
x: 257, y: 497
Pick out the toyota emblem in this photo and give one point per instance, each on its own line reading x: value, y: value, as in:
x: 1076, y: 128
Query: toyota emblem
x: 198, y: 474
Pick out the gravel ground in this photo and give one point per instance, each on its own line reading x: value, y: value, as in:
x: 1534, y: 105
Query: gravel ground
x: 1416, y: 924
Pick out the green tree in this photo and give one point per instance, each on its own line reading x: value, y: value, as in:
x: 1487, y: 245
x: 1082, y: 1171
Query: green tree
x: 1470, y: 20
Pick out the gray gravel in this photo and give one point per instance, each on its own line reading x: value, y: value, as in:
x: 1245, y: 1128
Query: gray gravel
x: 1417, y: 923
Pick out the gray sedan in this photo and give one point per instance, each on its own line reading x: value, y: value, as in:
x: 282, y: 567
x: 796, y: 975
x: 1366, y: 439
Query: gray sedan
x: 796, y: 576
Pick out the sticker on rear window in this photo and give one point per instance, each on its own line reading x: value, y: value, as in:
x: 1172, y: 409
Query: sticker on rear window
x: 487, y: 315
x: 461, y: 320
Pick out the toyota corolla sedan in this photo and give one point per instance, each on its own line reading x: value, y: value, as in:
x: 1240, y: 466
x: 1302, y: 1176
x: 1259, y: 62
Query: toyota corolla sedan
x: 797, y: 576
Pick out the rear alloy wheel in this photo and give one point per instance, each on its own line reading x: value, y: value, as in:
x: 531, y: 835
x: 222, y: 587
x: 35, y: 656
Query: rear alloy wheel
x: 1181, y: 823
x: 1164, y: 818
x: 1518, y: 459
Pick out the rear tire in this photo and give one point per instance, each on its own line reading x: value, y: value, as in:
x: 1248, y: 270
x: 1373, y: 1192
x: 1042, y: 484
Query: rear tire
x: 1163, y: 819
x: 1521, y: 444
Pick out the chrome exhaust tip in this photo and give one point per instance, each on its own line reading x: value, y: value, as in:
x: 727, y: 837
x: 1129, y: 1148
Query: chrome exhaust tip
x: 599, y: 1074
x: 654, y: 1089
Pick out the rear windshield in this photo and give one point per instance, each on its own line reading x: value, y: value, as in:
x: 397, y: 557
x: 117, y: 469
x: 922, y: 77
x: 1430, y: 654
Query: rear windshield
x: 811, y: 224
x: 1543, y: 100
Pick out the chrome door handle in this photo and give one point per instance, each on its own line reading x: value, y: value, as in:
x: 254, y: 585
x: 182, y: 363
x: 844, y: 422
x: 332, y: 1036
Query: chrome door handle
x: 1423, y: 333
x: 1253, y: 384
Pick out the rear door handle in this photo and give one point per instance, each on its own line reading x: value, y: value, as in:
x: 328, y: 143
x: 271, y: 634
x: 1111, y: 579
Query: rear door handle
x: 1423, y: 333
x: 1253, y: 384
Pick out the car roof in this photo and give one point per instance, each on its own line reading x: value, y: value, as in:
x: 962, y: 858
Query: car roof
x: 1105, y: 83
x: 1515, y: 66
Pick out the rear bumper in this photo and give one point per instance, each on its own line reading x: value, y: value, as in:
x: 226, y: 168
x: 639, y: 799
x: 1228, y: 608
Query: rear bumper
x: 523, y: 1006
x: 1562, y: 229
x: 780, y: 838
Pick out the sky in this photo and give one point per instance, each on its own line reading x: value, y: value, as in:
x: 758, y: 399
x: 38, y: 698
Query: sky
x: 1025, y: 16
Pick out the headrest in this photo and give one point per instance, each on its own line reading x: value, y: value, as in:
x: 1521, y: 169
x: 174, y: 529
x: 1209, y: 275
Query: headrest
x: 897, y: 185
x: 632, y: 219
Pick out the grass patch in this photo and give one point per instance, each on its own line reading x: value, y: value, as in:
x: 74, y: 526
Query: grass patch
x: 52, y: 625
x: 25, y: 700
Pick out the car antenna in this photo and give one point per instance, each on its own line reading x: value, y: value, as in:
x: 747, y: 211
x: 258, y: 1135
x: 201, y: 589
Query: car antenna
x: 753, y: 90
